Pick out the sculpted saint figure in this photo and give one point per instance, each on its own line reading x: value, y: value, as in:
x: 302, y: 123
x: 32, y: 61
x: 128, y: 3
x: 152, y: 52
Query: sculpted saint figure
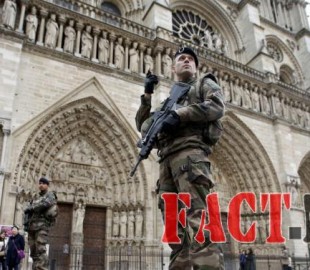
x: 139, y: 223
x: 103, y: 48
x: 79, y: 218
x: 209, y: 39
x: 247, y: 97
x: 226, y: 88
x: 115, y: 229
x: 167, y: 64
x: 134, y: 58
x: 9, y: 14
x: 237, y: 93
x: 148, y: 61
x: 123, y: 224
x: 131, y: 224
x: 87, y: 42
x: 32, y: 24
x: 265, y: 103
x: 255, y: 99
x: 217, y: 42
x: 70, y: 35
x: 119, y: 54
x: 51, y: 32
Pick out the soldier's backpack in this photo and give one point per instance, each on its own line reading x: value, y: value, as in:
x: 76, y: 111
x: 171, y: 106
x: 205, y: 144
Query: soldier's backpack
x: 213, y: 129
x: 52, y: 213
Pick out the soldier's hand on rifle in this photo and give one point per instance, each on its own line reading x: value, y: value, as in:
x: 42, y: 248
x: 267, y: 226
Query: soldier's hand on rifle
x: 28, y: 210
x: 171, y: 121
x: 149, y: 83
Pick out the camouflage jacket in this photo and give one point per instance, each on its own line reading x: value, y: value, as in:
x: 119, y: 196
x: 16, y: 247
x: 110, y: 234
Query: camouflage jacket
x: 41, y: 203
x: 203, y: 103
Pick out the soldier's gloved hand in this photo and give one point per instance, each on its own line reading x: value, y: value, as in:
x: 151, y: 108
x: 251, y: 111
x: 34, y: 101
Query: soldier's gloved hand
x: 149, y: 83
x: 171, y: 122
x: 28, y: 210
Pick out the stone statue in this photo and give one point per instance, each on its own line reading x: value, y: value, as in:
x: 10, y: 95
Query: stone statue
x: 115, y: 228
x: 225, y: 47
x: 237, y: 93
x: 209, y: 39
x: 103, y: 48
x: 79, y: 218
x: 300, y: 116
x: 255, y: 99
x: 70, y: 36
x: 32, y: 24
x: 265, y: 103
x: 247, y: 102
x: 87, y: 42
x: 134, y: 58
x: 293, y: 114
x: 51, y: 32
x: 278, y: 106
x: 9, y: 13
x: 148, y: 61
x: 226, y: 88
x: 123, y: 224
x: 139, y: 223
x: 119, y: 54
x: 167, y: 64
x: 131, y: 225
x: 217, y: 40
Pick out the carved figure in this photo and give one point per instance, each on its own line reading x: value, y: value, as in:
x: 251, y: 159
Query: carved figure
x: 123, y: 224
x: 148, y: 61
x: 9, y: 13
x: 79, y: 218
x: 119, y: 54
x: 139, y: 223
x: 51, y: 32
x: 208, y: 39
x: 70, y: 36
x: 116, y: 223
x: 237, y: 93
x: 87, y: 42
x: 131, y: 224
x: 103, y: 48
x: 32, y: 24
x: 134, y: 58
x: 167, y: 64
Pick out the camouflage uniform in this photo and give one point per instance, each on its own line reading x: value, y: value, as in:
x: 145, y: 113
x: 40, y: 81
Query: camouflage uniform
x: 39, y: 225
x: 185, y: 167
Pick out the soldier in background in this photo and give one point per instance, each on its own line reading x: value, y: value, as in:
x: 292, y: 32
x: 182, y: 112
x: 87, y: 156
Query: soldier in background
x: 183, y: 152
x: 41, y: 214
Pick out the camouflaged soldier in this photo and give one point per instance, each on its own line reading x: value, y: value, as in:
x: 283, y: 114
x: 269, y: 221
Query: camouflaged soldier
x: 41, y: 213
x: 183, y: 150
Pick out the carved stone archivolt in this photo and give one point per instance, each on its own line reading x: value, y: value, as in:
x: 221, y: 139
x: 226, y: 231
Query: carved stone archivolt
x: 81, y: 148
x: 243, y: 159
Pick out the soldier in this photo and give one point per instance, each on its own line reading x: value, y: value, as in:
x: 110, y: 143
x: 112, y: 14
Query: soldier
x: 41, y: 214
x: 183, y: 152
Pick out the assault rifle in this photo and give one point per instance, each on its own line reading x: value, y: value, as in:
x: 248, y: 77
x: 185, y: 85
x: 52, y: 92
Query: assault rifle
x: 179, y: 89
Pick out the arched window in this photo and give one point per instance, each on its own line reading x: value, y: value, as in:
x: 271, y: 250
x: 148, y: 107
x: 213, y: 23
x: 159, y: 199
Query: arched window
x: 288, y: 75
x: 111, y: 8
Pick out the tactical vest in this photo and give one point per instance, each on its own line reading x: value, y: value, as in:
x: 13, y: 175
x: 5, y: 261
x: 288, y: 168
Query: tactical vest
x: 213, y: 130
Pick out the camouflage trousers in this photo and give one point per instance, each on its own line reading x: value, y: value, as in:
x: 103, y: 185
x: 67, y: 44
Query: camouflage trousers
x: 37, y: 242
x: 189, y: 171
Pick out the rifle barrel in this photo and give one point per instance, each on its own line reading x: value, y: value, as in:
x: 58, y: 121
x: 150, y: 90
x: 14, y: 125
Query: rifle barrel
x: 136, y: 166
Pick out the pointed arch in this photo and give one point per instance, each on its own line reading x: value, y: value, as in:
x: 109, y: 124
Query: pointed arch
x: 216, y: 16
x: 286, y: 51
x: 89, y: 117
x: 304, y: 172
x: 243, y: 160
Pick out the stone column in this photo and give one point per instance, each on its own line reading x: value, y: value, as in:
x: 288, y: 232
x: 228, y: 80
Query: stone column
x: 43, y: 13
x: 61, y: 20
x: 158, y: 51
x: 127, y: 43
x: 6, y: 133
x: 22, y: 16
x: 112, y: 39
x: 79, y: 27
x: 141, y: 48
x: 96, y: 32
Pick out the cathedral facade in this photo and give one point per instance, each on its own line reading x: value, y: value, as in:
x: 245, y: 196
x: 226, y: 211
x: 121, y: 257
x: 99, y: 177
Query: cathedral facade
x: 72, y: 72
